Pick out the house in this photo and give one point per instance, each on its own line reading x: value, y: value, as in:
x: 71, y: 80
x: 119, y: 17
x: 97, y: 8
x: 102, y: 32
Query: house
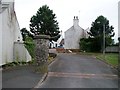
x: 58, y: 43
x: 74, y: 34
x: 11, y: 44
x: 53, y: 44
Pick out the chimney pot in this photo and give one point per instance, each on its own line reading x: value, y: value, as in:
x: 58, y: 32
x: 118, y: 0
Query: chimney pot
x: 75, y: 21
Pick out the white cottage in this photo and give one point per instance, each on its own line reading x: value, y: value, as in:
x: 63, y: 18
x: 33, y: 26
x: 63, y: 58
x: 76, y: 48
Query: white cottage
x: 11, y: 44
x: 73, y: 35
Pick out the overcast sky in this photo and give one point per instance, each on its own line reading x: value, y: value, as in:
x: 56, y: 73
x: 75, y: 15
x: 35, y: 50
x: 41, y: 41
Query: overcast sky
x: 65, y: 10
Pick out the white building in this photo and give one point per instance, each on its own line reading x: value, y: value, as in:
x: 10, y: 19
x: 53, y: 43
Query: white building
x: 56, y: 44
x: 73, y: 35
x: 11, y: 47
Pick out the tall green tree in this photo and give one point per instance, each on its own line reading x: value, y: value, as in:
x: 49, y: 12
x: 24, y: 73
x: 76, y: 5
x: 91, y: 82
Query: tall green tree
x: 95, y: 41
x: 96, y: 31
x: 44, y: 22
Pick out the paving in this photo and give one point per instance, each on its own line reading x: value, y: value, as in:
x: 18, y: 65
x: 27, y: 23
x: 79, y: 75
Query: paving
x: 80, y: 71
x: 20, y: 77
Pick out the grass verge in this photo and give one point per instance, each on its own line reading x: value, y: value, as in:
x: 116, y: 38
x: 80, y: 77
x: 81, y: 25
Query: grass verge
x: 110, y: 58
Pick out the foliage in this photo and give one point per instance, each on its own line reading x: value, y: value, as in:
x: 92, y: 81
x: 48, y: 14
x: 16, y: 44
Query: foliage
x: 97, y: 27
x: 29, y: 44
x: 17, y: 63
x: 96, y: 35
x: 28, y: 41
x: 13, y: 64
x: 116, y: 44
x: 25, y: 33
x: 96, y: 31
x: 44, y: 23
x: 87, y: 44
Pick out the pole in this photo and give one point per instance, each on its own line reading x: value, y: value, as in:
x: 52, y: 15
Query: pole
x: 119, y: 57
x: 104, y: 41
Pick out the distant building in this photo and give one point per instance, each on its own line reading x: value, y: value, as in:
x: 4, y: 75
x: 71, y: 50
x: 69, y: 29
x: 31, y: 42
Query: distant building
x: 74, y: 34
x: 58, y: 43
x: 62, y: 42
x: 11, y: 44
x: 53, y: 44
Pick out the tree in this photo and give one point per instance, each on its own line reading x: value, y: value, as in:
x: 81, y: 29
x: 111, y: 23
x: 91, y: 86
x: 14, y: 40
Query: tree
x: 44, y: 22
x: 96, y: 31
x: 96, y: 35
x: 25, y: 33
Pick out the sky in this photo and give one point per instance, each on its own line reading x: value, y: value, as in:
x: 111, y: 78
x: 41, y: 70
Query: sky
x: 65, y: 10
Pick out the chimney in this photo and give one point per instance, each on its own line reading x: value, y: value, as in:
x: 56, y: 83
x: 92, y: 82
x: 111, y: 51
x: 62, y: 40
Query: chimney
x: 75, y: 21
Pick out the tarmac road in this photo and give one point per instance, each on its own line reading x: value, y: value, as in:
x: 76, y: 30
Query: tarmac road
x: 20, y: 77
x: 80, y: 71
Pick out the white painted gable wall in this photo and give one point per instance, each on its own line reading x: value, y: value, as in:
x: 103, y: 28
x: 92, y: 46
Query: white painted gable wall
x: 10, y: 32
x: 73, y: 35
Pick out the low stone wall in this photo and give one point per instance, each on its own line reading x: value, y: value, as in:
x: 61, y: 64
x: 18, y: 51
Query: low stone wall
x: 60, y: 50
x: 114, y: 49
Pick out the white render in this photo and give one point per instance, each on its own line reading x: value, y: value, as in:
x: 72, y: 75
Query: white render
x: 119, y: 19
x: 10, y: 32
x: 20, y: 53
x: 73, y: 35
x: 0, y: 33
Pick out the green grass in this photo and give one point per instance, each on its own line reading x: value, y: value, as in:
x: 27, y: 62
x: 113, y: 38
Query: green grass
x: 110, y: 58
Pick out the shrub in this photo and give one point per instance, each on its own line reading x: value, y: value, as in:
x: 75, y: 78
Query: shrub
x: 29, y: 44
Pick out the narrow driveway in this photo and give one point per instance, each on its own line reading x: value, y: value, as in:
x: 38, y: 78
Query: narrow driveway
x: 80, y: 71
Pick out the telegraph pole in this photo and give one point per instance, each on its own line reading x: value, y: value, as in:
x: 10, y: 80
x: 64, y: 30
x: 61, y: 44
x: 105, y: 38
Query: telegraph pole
x: 104, y: 41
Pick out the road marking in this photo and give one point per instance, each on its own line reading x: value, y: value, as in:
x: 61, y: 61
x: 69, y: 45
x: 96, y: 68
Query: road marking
x: 81, y: 75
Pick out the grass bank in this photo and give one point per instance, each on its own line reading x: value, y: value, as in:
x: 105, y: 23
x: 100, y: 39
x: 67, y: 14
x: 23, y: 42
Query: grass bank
x: 110, y: 58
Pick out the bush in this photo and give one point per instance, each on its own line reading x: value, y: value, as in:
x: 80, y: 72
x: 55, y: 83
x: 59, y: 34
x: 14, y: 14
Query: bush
x: 29, y: 44
x: 90, y: 44
x: 85, y: 45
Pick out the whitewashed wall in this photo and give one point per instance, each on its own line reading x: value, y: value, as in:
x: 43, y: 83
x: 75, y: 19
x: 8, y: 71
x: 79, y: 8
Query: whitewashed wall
x: 20, y: 52
x: 10, y: 31
x: 73, y: 35
x: 86, y: 35
x: 0, y: 34
x: 0, y: 46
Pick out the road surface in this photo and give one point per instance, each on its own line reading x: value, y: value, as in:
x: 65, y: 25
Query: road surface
x: 80, y: 71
